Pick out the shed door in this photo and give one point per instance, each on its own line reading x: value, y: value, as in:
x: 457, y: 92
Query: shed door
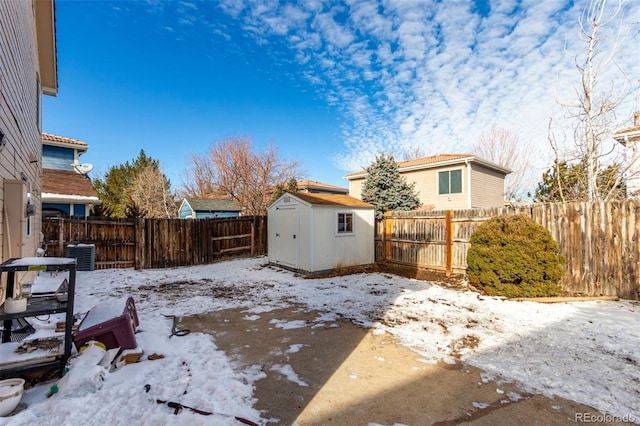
x: 287, y: 236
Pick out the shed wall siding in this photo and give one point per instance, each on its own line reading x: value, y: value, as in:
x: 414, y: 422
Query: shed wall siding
x: 19, y: 109
x: 304, y: 236
x: 487, y: 187
x: 331, y: 250
x: 319, y: 248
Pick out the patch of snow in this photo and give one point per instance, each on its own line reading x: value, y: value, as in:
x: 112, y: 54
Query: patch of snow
x: 514, y: 396
x: 251, y: 317
x: 288, y: 325
x: 295, y: 348
x: 480, y: 405
x: 287, y: 371
x: 588, y: 352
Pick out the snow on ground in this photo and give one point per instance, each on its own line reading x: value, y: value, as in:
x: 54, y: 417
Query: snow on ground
x: 588, y: 352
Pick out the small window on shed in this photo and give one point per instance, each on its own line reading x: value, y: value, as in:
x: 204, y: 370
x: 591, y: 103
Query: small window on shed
x: 345, y: 223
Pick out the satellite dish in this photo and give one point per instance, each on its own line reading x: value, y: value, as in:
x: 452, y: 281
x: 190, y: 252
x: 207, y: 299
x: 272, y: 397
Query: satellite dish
x: 83, y: 169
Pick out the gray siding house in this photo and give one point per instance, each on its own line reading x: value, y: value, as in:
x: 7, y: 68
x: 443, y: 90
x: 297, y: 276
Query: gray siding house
x: 199, y: 208
x: 28, y: 62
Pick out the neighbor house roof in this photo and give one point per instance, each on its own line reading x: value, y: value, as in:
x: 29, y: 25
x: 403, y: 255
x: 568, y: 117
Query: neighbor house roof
x: 60, y: 184
x: 630, y: 133
x: 313, y: 184
x: 331, y: 199
x: 213, y: 204
x: 436, y: 161
x: 49, y: 139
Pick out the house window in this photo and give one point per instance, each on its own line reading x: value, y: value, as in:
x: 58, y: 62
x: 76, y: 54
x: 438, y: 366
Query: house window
x: 450, y: 182
x: 345, y: 223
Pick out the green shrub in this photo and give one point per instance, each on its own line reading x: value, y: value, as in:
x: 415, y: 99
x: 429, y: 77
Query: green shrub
x: 513, y: 256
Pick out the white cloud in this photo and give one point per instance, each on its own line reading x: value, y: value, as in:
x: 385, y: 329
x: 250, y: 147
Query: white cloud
x: 430, y: 73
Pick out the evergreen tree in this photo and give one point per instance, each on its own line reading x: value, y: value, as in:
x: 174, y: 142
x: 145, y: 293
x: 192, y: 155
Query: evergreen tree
x: 114, y: 189
x: 386, y: 189
x: 568, y: 182
x: 281, y: 188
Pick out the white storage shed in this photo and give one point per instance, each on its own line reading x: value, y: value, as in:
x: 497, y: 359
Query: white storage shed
x: 318, y: 233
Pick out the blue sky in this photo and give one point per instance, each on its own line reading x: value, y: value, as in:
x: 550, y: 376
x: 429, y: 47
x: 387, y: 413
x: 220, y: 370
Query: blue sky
x: 330, y: 84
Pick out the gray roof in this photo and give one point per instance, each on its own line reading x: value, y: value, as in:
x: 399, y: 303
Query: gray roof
x: 213, y: 204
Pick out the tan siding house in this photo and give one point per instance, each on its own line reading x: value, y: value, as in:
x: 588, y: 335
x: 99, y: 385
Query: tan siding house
x: 448, y: 181
x: 27, y: 70
x: 484, y: 181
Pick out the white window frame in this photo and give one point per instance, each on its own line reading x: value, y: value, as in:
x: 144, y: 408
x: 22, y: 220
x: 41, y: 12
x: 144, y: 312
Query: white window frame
x: 338, y: 232
x: 449, y: 194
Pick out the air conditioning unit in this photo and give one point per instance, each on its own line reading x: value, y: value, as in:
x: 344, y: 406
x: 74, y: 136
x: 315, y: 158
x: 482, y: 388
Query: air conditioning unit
x: 85, y: 255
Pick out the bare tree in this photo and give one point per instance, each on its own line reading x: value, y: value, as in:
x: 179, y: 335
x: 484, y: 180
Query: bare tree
x: 593, y: 111
x: 232, y: 168
x: 503, y: 147
x: 413, y: 153
x: 151, y: 195
x: 201, y: 179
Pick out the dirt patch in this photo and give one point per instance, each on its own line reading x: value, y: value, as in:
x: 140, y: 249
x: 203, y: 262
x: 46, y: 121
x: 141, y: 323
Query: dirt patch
x: 453, y: 281
x: 321, y: 370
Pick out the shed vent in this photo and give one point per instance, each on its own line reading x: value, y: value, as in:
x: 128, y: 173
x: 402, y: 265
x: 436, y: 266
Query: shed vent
x: 85, y: 255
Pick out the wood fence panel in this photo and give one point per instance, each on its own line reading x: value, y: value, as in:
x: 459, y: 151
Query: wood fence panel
x: 600, y: 242
x: 157, y: 243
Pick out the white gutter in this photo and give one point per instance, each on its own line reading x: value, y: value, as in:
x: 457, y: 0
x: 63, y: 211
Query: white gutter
x: 64, y: 198
x: 625, y: 138
x: 438, y: 164
x: 312, y: 252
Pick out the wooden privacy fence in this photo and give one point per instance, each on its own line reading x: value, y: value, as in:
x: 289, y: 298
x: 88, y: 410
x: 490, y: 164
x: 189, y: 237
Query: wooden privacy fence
x: 157, y: 243
x: 599, y: 241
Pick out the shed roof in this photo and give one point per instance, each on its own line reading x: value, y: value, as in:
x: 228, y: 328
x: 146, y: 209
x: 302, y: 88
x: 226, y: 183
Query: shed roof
x: 213, y: 204
x: 65, y: 182
x: 331, y: 200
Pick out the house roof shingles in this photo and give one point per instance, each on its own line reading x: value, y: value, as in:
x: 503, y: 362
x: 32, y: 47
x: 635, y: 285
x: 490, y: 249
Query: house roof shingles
x: 630, y: 134
x: 331, y: 200
x: 213, y: 204
x: 64, y: 182
x: 314, y: 184
x: 48, y: 137
x: 434, y: 161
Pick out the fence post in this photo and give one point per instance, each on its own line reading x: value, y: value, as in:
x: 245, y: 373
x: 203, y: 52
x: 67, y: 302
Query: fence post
x: 61, y: 237
x: 386, y: 236
x: 140, y: 250
x: 449, y: 241
x: 254, y: 225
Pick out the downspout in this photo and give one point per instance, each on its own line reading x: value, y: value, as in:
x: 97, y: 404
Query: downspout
x: 7, y: 233
x: 466, y: 162
x: 312, y: 252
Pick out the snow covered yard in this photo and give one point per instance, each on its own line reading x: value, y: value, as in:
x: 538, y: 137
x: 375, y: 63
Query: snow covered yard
x: 587, y: 352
